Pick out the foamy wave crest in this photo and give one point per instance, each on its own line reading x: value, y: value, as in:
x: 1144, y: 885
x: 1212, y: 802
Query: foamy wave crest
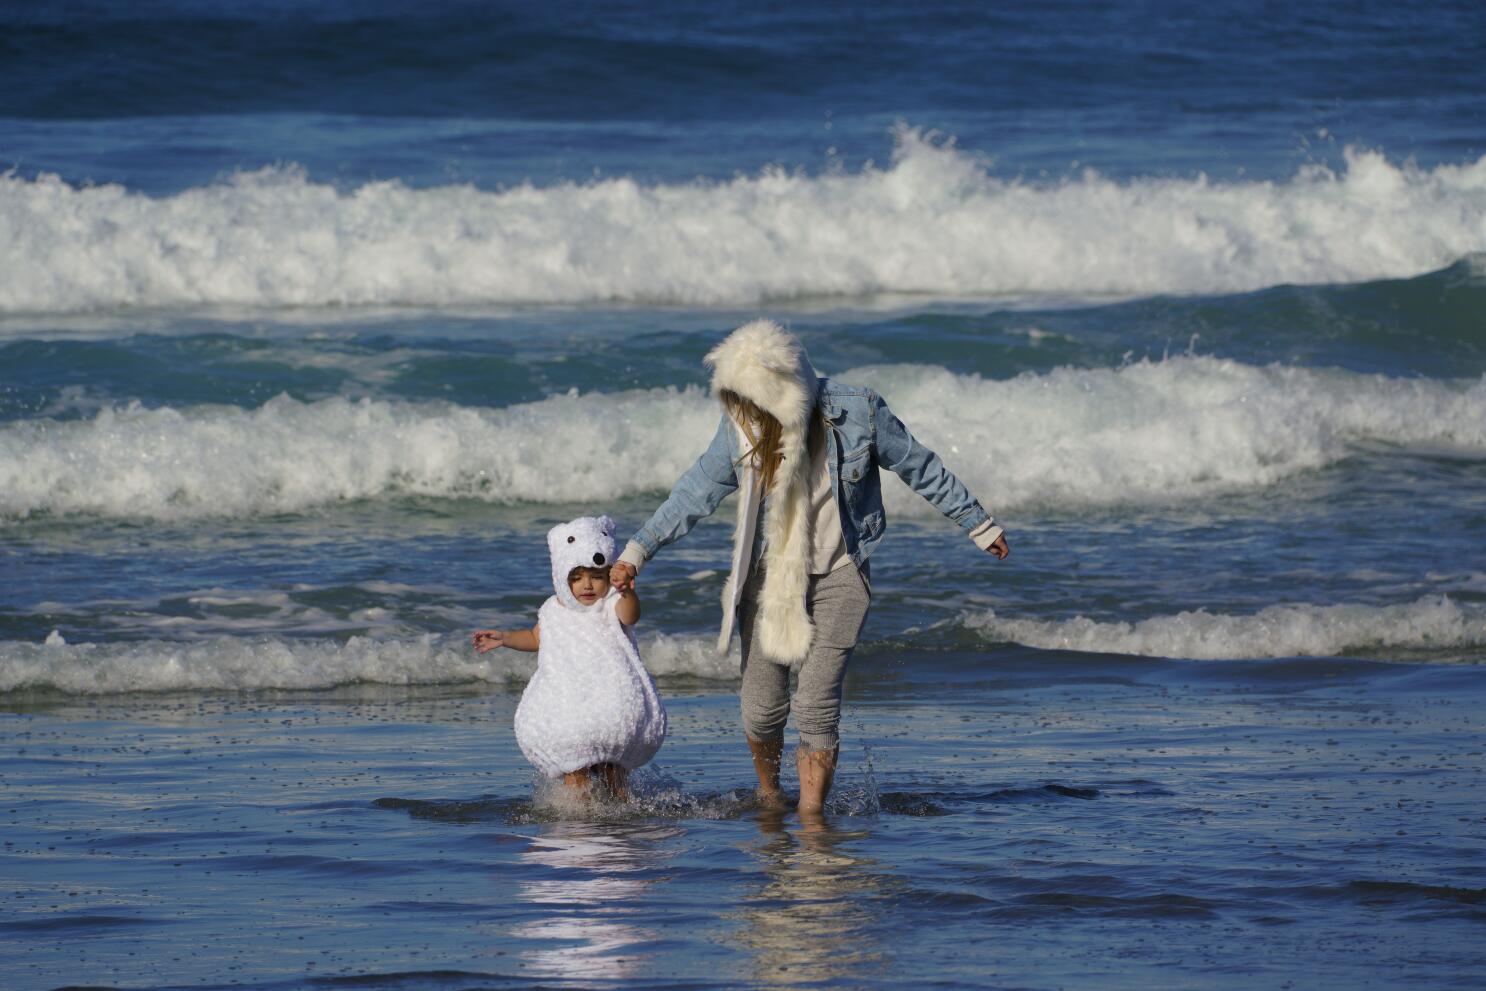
x: 668, y: 656
x: 1152, y: 432
x: 243, y: 664
x: 1428, y: 627
x: 1167, y: 431
x: 289, y: 455
x: 935, y: 221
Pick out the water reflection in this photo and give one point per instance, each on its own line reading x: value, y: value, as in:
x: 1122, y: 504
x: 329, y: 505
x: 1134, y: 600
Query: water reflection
x: 817, y: 917
x: 590, y: 907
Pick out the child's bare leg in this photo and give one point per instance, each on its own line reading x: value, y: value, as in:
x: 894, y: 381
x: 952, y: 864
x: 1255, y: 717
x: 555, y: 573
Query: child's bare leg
x: 766, y: 757
x: 578, y: 782
x: 615, y: 778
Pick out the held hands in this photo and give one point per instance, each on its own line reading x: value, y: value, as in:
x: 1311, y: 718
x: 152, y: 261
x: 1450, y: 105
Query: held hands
x: 488, y: 640
x: 622, y: 577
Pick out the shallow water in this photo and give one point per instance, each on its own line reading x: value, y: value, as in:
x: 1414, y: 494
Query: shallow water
x: 1041, y: 821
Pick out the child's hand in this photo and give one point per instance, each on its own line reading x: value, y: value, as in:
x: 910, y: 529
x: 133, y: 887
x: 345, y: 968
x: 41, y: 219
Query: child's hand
x: 1000, y: 548
x: 488, y: 640
x: 622, y: 577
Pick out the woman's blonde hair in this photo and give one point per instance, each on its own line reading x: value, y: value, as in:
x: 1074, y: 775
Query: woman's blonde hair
x: 763, y: 431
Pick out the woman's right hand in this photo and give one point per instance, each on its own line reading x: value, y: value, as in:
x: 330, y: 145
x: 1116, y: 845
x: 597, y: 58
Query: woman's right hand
x: 488, y: 640
x: 622, y: 576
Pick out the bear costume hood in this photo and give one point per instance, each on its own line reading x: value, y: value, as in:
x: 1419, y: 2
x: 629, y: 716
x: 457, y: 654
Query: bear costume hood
x: 587, y: 542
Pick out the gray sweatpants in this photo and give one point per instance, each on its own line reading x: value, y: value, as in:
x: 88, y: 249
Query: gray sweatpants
x: 837, y: 602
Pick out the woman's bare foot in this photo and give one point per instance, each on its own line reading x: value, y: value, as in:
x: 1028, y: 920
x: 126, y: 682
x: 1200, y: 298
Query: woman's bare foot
x: 615, y: 780
x: 774, y: 801
x: 579, y: 783
x: 813, y: 822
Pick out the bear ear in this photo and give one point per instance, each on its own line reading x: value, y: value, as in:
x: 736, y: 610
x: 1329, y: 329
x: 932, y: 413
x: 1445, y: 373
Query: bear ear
x: 606, y: 524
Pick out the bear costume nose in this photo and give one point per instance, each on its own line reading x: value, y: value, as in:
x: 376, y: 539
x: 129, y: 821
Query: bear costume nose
x: 598, y: 559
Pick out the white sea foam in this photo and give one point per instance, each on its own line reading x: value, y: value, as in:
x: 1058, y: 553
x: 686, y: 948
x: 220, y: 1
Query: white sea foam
x: 1437, y: 628
x: 690, y: 657
x: 1152, y: 432
x: 208, y: 613
x: 289, y: 455
x: 936, y: 220
x: 249, y: 663
x: 1427, y: 626
x: 1162, y: 432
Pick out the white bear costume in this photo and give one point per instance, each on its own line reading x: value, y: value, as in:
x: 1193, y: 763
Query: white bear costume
x: 591, y: 700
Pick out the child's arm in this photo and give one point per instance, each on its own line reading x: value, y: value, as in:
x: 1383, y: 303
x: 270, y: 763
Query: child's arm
x: 628, y: 607
x: 528, y: 640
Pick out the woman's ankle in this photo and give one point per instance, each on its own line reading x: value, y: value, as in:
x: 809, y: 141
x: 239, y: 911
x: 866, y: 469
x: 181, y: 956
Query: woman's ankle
x: 767, y: 755
x: 817, y: 772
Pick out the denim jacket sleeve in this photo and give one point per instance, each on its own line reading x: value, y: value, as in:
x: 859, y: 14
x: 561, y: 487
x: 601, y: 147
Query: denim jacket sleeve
x: 697, y: 493
x: 921, y: 468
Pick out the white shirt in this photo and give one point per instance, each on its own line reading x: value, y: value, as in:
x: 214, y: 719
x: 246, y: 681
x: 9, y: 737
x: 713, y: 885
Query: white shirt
x: 829, y: 551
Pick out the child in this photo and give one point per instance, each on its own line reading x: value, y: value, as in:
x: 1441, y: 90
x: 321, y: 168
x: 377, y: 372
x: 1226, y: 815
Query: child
x: 591, y: 710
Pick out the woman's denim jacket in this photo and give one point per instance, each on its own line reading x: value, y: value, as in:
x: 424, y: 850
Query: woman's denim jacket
x: 864, y: 436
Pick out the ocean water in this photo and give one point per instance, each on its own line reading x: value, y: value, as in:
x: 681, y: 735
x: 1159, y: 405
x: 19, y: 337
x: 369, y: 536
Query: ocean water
x: 315, y: 317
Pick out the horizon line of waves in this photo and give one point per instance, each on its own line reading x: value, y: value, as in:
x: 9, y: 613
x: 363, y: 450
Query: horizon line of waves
x: 1150, y: 433
x: 1432, y: 627
x: 228, y: 663
x: 935, y: 221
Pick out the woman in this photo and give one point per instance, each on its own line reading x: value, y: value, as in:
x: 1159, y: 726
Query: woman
x: 804, y: 453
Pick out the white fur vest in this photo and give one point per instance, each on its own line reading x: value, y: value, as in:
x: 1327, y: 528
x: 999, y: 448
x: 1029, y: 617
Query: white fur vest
x: 763, y: 363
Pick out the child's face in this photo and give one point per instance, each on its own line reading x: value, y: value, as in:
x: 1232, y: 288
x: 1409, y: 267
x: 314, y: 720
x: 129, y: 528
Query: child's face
x: 588, y: 585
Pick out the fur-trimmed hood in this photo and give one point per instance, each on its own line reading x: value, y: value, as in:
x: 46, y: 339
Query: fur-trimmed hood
x: 765, y: 364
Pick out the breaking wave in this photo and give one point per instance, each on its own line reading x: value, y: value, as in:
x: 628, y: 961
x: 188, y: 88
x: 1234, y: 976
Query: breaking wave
x: 1152, y: 432
x: 1436, y: 629
x: 934, y: 221
x: 1429, y: 626
x: 258, y: 663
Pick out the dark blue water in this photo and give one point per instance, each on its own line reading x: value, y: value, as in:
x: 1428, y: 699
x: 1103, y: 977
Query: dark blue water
x: 315, y: 318
x: 499, y: 93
